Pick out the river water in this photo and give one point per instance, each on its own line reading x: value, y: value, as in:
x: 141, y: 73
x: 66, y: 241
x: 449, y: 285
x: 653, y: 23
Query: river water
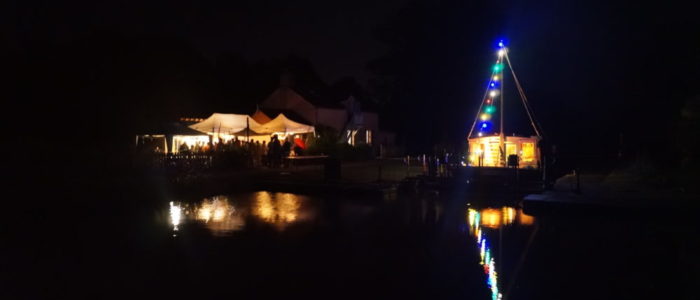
x: 428, y: 245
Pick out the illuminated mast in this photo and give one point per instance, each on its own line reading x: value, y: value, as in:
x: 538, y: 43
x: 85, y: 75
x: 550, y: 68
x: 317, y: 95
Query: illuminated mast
x: 484, y: 141
x: 502, y: 140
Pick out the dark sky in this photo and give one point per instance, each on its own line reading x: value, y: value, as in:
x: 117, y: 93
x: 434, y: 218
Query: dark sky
x: 335, y: 35
x: 593, y: 70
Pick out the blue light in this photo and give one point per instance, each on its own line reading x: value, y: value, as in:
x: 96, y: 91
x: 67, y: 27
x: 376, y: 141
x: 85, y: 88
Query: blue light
x: 500, y: 44
x: 485, y: 125
x: 493, y: 84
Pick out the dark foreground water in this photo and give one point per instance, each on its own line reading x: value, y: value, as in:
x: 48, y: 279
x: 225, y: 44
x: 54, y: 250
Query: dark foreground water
x: 281, y: 245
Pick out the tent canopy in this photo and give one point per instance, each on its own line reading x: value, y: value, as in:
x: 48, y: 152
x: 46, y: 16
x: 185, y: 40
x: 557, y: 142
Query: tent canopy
x: 282, y: 124
x: 226, y: 123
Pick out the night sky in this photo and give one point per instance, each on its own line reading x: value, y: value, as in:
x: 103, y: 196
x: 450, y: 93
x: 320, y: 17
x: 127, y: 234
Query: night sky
x: 593, y: 71
x: 336, y: 37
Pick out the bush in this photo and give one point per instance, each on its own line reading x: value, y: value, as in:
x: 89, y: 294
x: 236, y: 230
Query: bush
x: 325, y: 142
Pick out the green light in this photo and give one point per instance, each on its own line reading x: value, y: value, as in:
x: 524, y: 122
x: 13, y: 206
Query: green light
x: 498, y: 68
x: 490, y: 109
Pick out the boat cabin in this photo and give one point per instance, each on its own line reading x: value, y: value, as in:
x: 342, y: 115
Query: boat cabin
x: 484, y: 151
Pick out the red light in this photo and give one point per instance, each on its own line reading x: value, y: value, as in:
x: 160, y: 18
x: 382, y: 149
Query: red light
x: 488, y: 101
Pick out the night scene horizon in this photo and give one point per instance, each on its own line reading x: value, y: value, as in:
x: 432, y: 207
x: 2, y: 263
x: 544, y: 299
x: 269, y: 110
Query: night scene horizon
x: 356, y: 149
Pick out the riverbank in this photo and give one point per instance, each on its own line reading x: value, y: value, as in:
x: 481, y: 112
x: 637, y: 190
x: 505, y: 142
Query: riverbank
x: 609, y: 192
x: 369, y: 178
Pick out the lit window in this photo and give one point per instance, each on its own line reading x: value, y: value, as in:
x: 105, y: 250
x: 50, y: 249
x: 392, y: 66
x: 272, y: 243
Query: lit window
x: 528, y: 152
x: 368, y: 136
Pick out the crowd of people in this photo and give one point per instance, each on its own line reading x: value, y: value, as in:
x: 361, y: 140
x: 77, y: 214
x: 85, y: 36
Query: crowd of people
x: 269, y: 154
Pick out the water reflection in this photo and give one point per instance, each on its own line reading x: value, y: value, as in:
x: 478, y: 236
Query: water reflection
x: 279, y: 210
x: 219, y: 216
x: 223, y: 215
x: 175, y: 215
x: 492, y: 218
x: 476, y: 219
x: 526, y: 219
x: 216, y: 214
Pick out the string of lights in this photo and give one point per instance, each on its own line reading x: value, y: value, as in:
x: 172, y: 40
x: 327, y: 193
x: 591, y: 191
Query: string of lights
x: 488, y: 107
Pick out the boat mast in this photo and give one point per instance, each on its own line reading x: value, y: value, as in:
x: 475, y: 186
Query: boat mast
x: 502, y: 140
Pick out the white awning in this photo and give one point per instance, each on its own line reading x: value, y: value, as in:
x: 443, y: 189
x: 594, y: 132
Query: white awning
x: 226, y: 124
x: 281, y: 124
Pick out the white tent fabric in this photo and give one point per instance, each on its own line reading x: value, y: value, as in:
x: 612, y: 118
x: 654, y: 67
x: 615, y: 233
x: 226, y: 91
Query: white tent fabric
x: 226, y: 123
x: 281, y: 124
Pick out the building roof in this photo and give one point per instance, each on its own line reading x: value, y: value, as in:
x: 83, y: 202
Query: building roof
x: 290, y: 114
x: 260, y: 116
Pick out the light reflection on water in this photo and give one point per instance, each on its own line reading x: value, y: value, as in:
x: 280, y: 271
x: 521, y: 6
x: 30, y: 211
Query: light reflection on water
x: 480, y: 222
x: 223, y: 215
x: 281, y: 210
x: 175, y: 215
x: 493, y: 217
x: 219, y: 216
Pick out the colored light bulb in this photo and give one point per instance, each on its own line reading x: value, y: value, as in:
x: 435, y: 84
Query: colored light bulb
x: 498, y: 67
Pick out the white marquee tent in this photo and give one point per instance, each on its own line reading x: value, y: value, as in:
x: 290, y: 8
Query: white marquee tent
x: 226, y: 124
x: 283, y: 125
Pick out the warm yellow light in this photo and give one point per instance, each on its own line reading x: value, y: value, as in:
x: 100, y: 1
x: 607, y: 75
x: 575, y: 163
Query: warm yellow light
x: 485, y: 117
x: 471, y: 216
x: 264, y: 208
x: 495, y: 78
x: 508, y: 215
x: 493, y: 94
x: 491, y: 217
x: 216, y: 209
x: 219, y: 214
x: 501, y: 52
x: 281, y: 209
x: 190, y: 141
x: 288, y: 207
x: 204, y: 214
x: 528, y: 150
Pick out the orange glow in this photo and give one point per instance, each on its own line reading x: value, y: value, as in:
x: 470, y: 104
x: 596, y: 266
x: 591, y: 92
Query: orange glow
x: 528, y: 152
x: 491, y: 217
x: 280, y: 210
x: 525, y: 219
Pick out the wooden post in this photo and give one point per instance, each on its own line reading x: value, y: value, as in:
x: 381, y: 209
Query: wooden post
x: 408, y: 165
